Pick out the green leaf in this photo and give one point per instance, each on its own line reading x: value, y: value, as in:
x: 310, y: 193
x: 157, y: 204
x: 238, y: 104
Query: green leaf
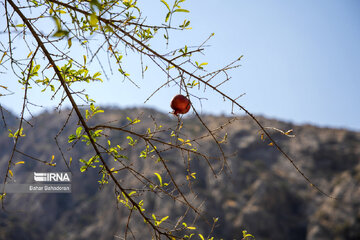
x: 87, y: 114
x: 61, y: 33
x: 164, y: 218
x: 93, y: 20
x: 97, y: 74
x: 246, y: 234
x: 181, y: 10
x: 2, y: 196
x: 36, y: 68
x: 167, y: 6
x: 57, y: 22
x: 160, y: 179
x: 78, y: 131
x: 5, y: 53
x: 167, y: 16
x: 131, y: 141
x: 72, y: 137
x: 69, y: 42
x: 132, y: 193
x: 29, y: 54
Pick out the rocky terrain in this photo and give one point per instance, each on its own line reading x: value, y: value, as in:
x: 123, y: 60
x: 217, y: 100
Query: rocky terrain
x: 259, y: 190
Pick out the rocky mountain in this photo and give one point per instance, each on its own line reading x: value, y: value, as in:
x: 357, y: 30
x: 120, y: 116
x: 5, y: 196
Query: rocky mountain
x: 259, y: 190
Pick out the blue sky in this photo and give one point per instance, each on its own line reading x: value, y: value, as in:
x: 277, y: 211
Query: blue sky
x: 301, y: 60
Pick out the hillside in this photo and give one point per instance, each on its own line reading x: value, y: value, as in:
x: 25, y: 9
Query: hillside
x: 260, y: 192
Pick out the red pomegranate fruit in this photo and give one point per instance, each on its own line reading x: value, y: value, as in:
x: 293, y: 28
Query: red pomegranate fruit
x: 180, y: 104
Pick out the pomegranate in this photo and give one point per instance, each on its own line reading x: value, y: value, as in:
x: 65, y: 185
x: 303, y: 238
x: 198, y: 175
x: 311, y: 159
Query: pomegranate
x: 180, y: 104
